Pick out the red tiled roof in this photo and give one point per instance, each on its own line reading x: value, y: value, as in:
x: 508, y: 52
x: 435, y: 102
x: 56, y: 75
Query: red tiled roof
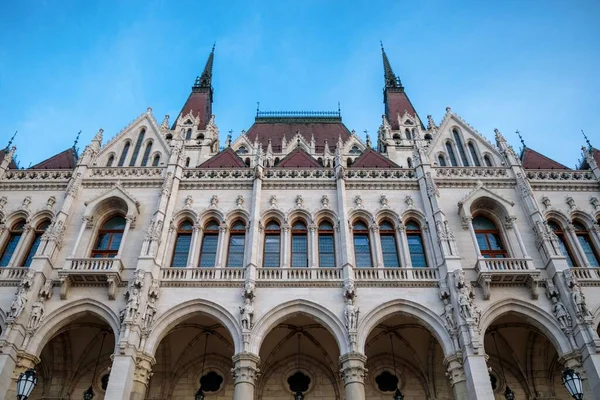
x: 398, y: 103
x: 298, y: 159
x: 372, y: 159
x: 531, y: 159
x: 197, y: 103
x: 64, y: 160
x: 276, y: 130
x: 596, y: 155
x: 12, y: 164
x: 225, y: 159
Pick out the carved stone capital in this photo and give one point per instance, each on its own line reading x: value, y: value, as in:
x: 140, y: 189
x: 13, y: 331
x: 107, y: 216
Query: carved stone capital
x: 245, y: 368
x: 454, y: 369
x: 352, y: 368
x: 143, y: 369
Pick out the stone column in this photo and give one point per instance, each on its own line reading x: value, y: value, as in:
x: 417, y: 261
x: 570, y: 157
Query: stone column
x: 312, y: 246
x: 353, y: 373
x: 121, y: 380
x: 85, y: 221
x: 376, y: 250
x: 23, y: 241
x: 141, y: 377
x: 478, y: 378
x: 285, y: 246
x: 404, y: 249
x: 221, y: 246
x: 129, y: 221
x: 194, y: 246
x: 456, y: 374
x: 245, y: 373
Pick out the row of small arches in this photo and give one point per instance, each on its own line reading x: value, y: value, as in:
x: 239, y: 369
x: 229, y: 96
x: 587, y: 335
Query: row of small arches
x: 450, y: 159
x: 134, y: 156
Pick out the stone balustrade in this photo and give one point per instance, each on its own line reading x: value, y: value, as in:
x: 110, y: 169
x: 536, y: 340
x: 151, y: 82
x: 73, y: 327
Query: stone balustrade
x: 507, y: 272
x: 587, y: 276
x: 91, y: 272
x: 397, y: 276
x: 299, y: 274
x: 15, y: 275
x: 191, y: 276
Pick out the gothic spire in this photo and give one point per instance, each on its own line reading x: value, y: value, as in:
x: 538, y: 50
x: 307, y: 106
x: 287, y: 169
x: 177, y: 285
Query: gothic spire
x: 391, y: 80
x: 205, y: 80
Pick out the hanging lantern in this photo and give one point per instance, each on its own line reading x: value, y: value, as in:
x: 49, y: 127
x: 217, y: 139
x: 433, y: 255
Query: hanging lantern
x: 25, y: 384
x: 509, y: 394
x: 298, y: 396
x: 199, y: 394
x: 572, y: 382
x: 398, y: 395
x: 88, y: 394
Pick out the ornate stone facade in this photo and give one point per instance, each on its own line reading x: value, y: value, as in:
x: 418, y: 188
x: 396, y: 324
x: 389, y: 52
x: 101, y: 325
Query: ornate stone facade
x: 299, y: 259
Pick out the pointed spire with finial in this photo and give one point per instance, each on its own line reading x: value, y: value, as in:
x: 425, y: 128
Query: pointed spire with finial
x: 521, y: 138
x: 13, y: 138
x: 587, y: 140
x: 205, y: 80
x: 391, y: 80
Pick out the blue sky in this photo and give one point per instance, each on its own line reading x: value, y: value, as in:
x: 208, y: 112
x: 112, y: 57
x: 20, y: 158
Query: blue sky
x: 81, y: 65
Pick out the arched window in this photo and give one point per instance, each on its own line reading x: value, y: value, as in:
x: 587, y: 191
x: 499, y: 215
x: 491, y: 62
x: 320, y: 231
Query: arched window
x: 583, y: 236
x: 389, y: 248
x: 247, y: 161
x: 362, y: 245
x: 349, y: 162
x: 451, y: 155
x: 13, y: 240
x: 147, y: 152
x: 272, y: 245
x: 355, y: 150
x: 38, y: 232
x: 441, y: 161
x: 210, y: 239
x: 242, y: 150
x: 137, y: 148
x: 187, y: 162
x: 237, y: 240
x: 299, y: 245
x: 474, y: 155
x: 183, y: 241
x: 397, y: 138
x: 461, y: 149
x: 409, y: 162
x: 488, y: 238
x: 276, y: 161
x: 562, y: 242
x: 200, y: 136
x: 416, y: 249
x: 109, y: 238
x: 156, y: 160
x: 326, y: 245
x: 188, y: 134
x: 408, y: 134
x: 124, y: 154
x: 111, y: 160
x: 488, y: 161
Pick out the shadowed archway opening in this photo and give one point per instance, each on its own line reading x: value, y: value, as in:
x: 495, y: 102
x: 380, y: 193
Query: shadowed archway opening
x: 402, y: 353
x: 299, y: 354
x: 196, y: 352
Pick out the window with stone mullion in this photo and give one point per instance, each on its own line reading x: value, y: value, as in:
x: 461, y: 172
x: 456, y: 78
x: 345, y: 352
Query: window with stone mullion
x: 588, y: 250
x: 9, y: 248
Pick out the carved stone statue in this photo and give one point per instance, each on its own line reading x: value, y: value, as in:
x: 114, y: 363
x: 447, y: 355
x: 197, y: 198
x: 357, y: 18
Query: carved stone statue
x: 247, y: 314
x: 240, y: 201
x: 449, y: 315
x: 561, y: 314
x: 249, y: 290
x: 133, y: 304
x: 349, y: 290
x: 409, y: 201
x: 383, y: 200
x: 358, y: 201
x: 188, y: 201
x: 299, y: 201
x: 149, y: 313
x: 273, y: 201
x: 18, y: 304
x: 351, y: 315
x: 37, y: 313
x: 579, y: 301
x: 325, y: 201
x: 214, y: 200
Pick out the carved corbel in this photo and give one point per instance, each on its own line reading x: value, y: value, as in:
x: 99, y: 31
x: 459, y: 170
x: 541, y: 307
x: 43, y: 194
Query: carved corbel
x: 533, y: 284
x: 484, y: 282
x: 65, y: 285
x: 112, y: 288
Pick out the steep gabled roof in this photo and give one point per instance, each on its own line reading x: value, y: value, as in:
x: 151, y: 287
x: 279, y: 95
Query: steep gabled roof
x: 298, y: 159
x: 531, y: 159
x: 66, y: 159
x: 372, y: 159
x: 12, y: 164
x: 225, y: 159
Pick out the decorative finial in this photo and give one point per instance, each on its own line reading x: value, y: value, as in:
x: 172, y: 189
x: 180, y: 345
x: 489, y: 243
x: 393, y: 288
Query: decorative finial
x: 213, y: 48
x: 257, y: 108
x: 587, y: 140
x: 13, y: 138
x: 381, y: 43
x: 368, y: 140
x: 339, y: 109
x: 520, y: 138
x: 76, y: 140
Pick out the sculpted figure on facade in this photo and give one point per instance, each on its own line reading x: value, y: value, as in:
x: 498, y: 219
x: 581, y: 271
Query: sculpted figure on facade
x: 325, y: 201
x: 36, y: 316
x: 408, y: 200
x: 18, y: 304
x: 561, y: 314
x: 149, y: 314
x: 247, y: 314
x: 383, y: 200
x: 351, y: 315
x: 273, y: 201
x: 468, y: 310
x: 449, y: 315
x: 299, y: 201
x: 579, y: 302
x: 214, y: 201
x: 187, y: 203
x: 239, y: 201
x: 358, y: 201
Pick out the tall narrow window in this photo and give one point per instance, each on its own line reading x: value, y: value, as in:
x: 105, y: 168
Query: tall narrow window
x: 109, y: 238
x: 299, y: 245
x: 237, y: 240
x: 441, y: 161
x: 451, y: 155
x: 156, y: 160
x: 461, y: 148
x: 562, y: 242
x: 408, y: 134
x: 488, y: 161
x: 39, y: 231
x: 362, y: 245
x: 583, y: 236
x: 137, y: 148
x: 474, y: 155
x: 388, y: 245
x: 488, y: 238
x: 188, y: 134
x: 11, y: 245
x: 272, y: 245
x: 326, y: 245
x: 183, y: 240
x: 416, y: 249
x: 124, y: 154
x: 208, y: 250
x: 111, y: 160
x: 147, y: 152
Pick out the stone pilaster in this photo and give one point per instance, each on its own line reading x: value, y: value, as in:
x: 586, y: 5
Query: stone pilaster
x: 353, y: 373
x: 456, y: 375
x: 245, y: 372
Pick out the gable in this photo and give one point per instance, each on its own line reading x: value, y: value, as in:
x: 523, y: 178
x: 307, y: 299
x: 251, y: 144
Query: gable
x: 372, y: 159
x: 531, y: 159
x: 298, y: 159
x: 131, y: 135
x: 225, y: 159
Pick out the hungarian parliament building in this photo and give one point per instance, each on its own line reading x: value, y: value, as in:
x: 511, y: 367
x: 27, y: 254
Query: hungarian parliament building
x: 299, y: 261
